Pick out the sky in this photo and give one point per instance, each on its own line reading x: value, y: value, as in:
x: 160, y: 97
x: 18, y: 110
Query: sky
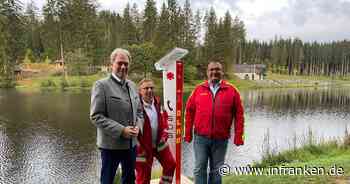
x: 308, y: 20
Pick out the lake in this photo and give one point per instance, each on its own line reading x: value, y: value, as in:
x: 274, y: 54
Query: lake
x: 47, y: 137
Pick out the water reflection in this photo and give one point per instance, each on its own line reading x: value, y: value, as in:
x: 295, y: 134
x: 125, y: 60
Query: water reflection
x: 285, y: 116
x: 48, y: 138
x: 298, y: 100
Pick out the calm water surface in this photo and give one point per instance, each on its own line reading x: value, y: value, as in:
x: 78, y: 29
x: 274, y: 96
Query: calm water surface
x: 47, y: 137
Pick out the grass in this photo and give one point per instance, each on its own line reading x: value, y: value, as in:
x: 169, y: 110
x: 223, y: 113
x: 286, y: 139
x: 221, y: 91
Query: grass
x: 295, y: 81
x: 49, y: 82
x: 332, y: 157
x: 59, y: 82
x: 338, y: 157
x: 275, y: 76
x: 38, y: 66
x: 327, y: 155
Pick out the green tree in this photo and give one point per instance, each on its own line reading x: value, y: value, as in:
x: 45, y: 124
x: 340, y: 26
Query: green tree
x: 79, y: 20
x: 198, y: 50
x: 78, y: 62
x: 109, y: 31
x: 144, y: 57
x: 175, y: 25
x: 12, y: 44
x: 210, y: 33
x: 136, y: 18
x: 129, y: 29
x: 163, y: 32
x: 29, y: 56
x: 189, y: 27
x: 150, y: 21
x: 32, y: 30
x: 4, y: 59
x: 228, y: 42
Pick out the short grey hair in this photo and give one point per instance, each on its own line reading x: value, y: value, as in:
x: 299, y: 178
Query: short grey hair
x: 119, y: 51
x: 144, y: 80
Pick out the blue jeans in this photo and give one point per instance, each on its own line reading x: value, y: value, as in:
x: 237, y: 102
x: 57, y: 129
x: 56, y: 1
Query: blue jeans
x: 110, y: 162
x: 208, y: 149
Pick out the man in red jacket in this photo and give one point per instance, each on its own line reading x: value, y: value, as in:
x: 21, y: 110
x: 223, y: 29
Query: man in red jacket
x: 211, y: 109
x: 153, y: 141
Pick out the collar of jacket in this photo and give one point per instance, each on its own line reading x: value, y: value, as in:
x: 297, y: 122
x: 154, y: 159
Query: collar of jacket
x: 148, y: 105
x: 223, y: 84
x: 156, y: 101
x: 118, y: 82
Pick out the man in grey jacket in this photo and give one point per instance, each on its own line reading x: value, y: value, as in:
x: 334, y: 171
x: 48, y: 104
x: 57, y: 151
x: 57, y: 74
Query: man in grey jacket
x: 116, y: 111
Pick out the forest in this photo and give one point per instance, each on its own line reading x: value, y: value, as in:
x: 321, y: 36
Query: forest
x: 80, y: 34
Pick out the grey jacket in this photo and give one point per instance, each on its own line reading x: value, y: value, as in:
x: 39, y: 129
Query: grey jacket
x: 111, y: 111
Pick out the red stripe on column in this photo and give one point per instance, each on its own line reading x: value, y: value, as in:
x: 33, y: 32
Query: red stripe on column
x: 179, y: 94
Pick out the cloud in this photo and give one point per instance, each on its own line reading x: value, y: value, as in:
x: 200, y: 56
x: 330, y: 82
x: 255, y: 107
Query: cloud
x: 309, y: 20
x: 320, y: 20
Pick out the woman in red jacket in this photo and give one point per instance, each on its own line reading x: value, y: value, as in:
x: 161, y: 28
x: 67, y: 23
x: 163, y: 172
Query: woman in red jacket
x: 153, y: 141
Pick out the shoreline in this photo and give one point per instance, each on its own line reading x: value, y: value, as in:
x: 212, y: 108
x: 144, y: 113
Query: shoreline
x: 78, y: 83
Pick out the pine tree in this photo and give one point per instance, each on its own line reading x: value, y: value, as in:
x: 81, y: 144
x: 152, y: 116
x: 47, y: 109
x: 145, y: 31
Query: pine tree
x: 189, y: 27
x: 129, y: 28
x: 163, y: 32
x: 238, y: 30
x: 175, y: 25
x: 32, y: 33
x: 210, y: 34
x: 197, y: 27
x: 137, y: 21
x: 228, y: 46
x: 150, y: 21
x: 198, y: 51
x: 107, y: 32
x: 12, y: 44
x: 79, y: 19
x: 51, y: 28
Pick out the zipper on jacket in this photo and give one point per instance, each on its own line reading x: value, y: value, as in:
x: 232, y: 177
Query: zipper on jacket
x: 212, y: 116
x: 213, y: 111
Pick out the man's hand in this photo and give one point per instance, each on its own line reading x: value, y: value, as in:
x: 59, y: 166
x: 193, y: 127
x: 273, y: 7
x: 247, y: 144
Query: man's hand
x: 130, y: 131
x: 238, y: 141
x: 188, y: 138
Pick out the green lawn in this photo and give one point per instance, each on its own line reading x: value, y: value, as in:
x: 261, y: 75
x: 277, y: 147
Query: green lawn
x: 273, y: 81
x: 325, y: 155
x: 59, y: 82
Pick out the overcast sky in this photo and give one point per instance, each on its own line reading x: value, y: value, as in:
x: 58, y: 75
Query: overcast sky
x: 309, y: 20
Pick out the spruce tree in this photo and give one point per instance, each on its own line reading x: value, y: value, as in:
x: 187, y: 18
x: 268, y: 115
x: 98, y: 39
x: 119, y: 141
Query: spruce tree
x: 150, y: 21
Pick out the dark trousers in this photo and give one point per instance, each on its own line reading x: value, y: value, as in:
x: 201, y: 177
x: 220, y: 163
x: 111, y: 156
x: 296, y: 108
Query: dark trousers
x: 110, y: 162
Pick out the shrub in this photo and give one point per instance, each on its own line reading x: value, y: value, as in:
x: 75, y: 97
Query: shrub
x: 63, y: 83
x: 84, y: 83
x: 190, y: 73
x: 47, y: 83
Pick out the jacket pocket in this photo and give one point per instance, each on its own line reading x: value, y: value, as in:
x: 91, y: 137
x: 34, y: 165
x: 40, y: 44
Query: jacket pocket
x: 202, y: 124
x: 115, y: 98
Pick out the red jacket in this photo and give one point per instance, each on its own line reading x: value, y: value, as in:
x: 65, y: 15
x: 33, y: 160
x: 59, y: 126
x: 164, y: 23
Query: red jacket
x: 212, y: 117
x: 145, y: 147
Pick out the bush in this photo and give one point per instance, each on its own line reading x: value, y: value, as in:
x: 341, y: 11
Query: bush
x: 47, y: 83
x: 84, y: 83
x: 77, y: 62
x: 63, y: 83
x: 7, y: 83
x: 190, y: 73
x: 74, y: 83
